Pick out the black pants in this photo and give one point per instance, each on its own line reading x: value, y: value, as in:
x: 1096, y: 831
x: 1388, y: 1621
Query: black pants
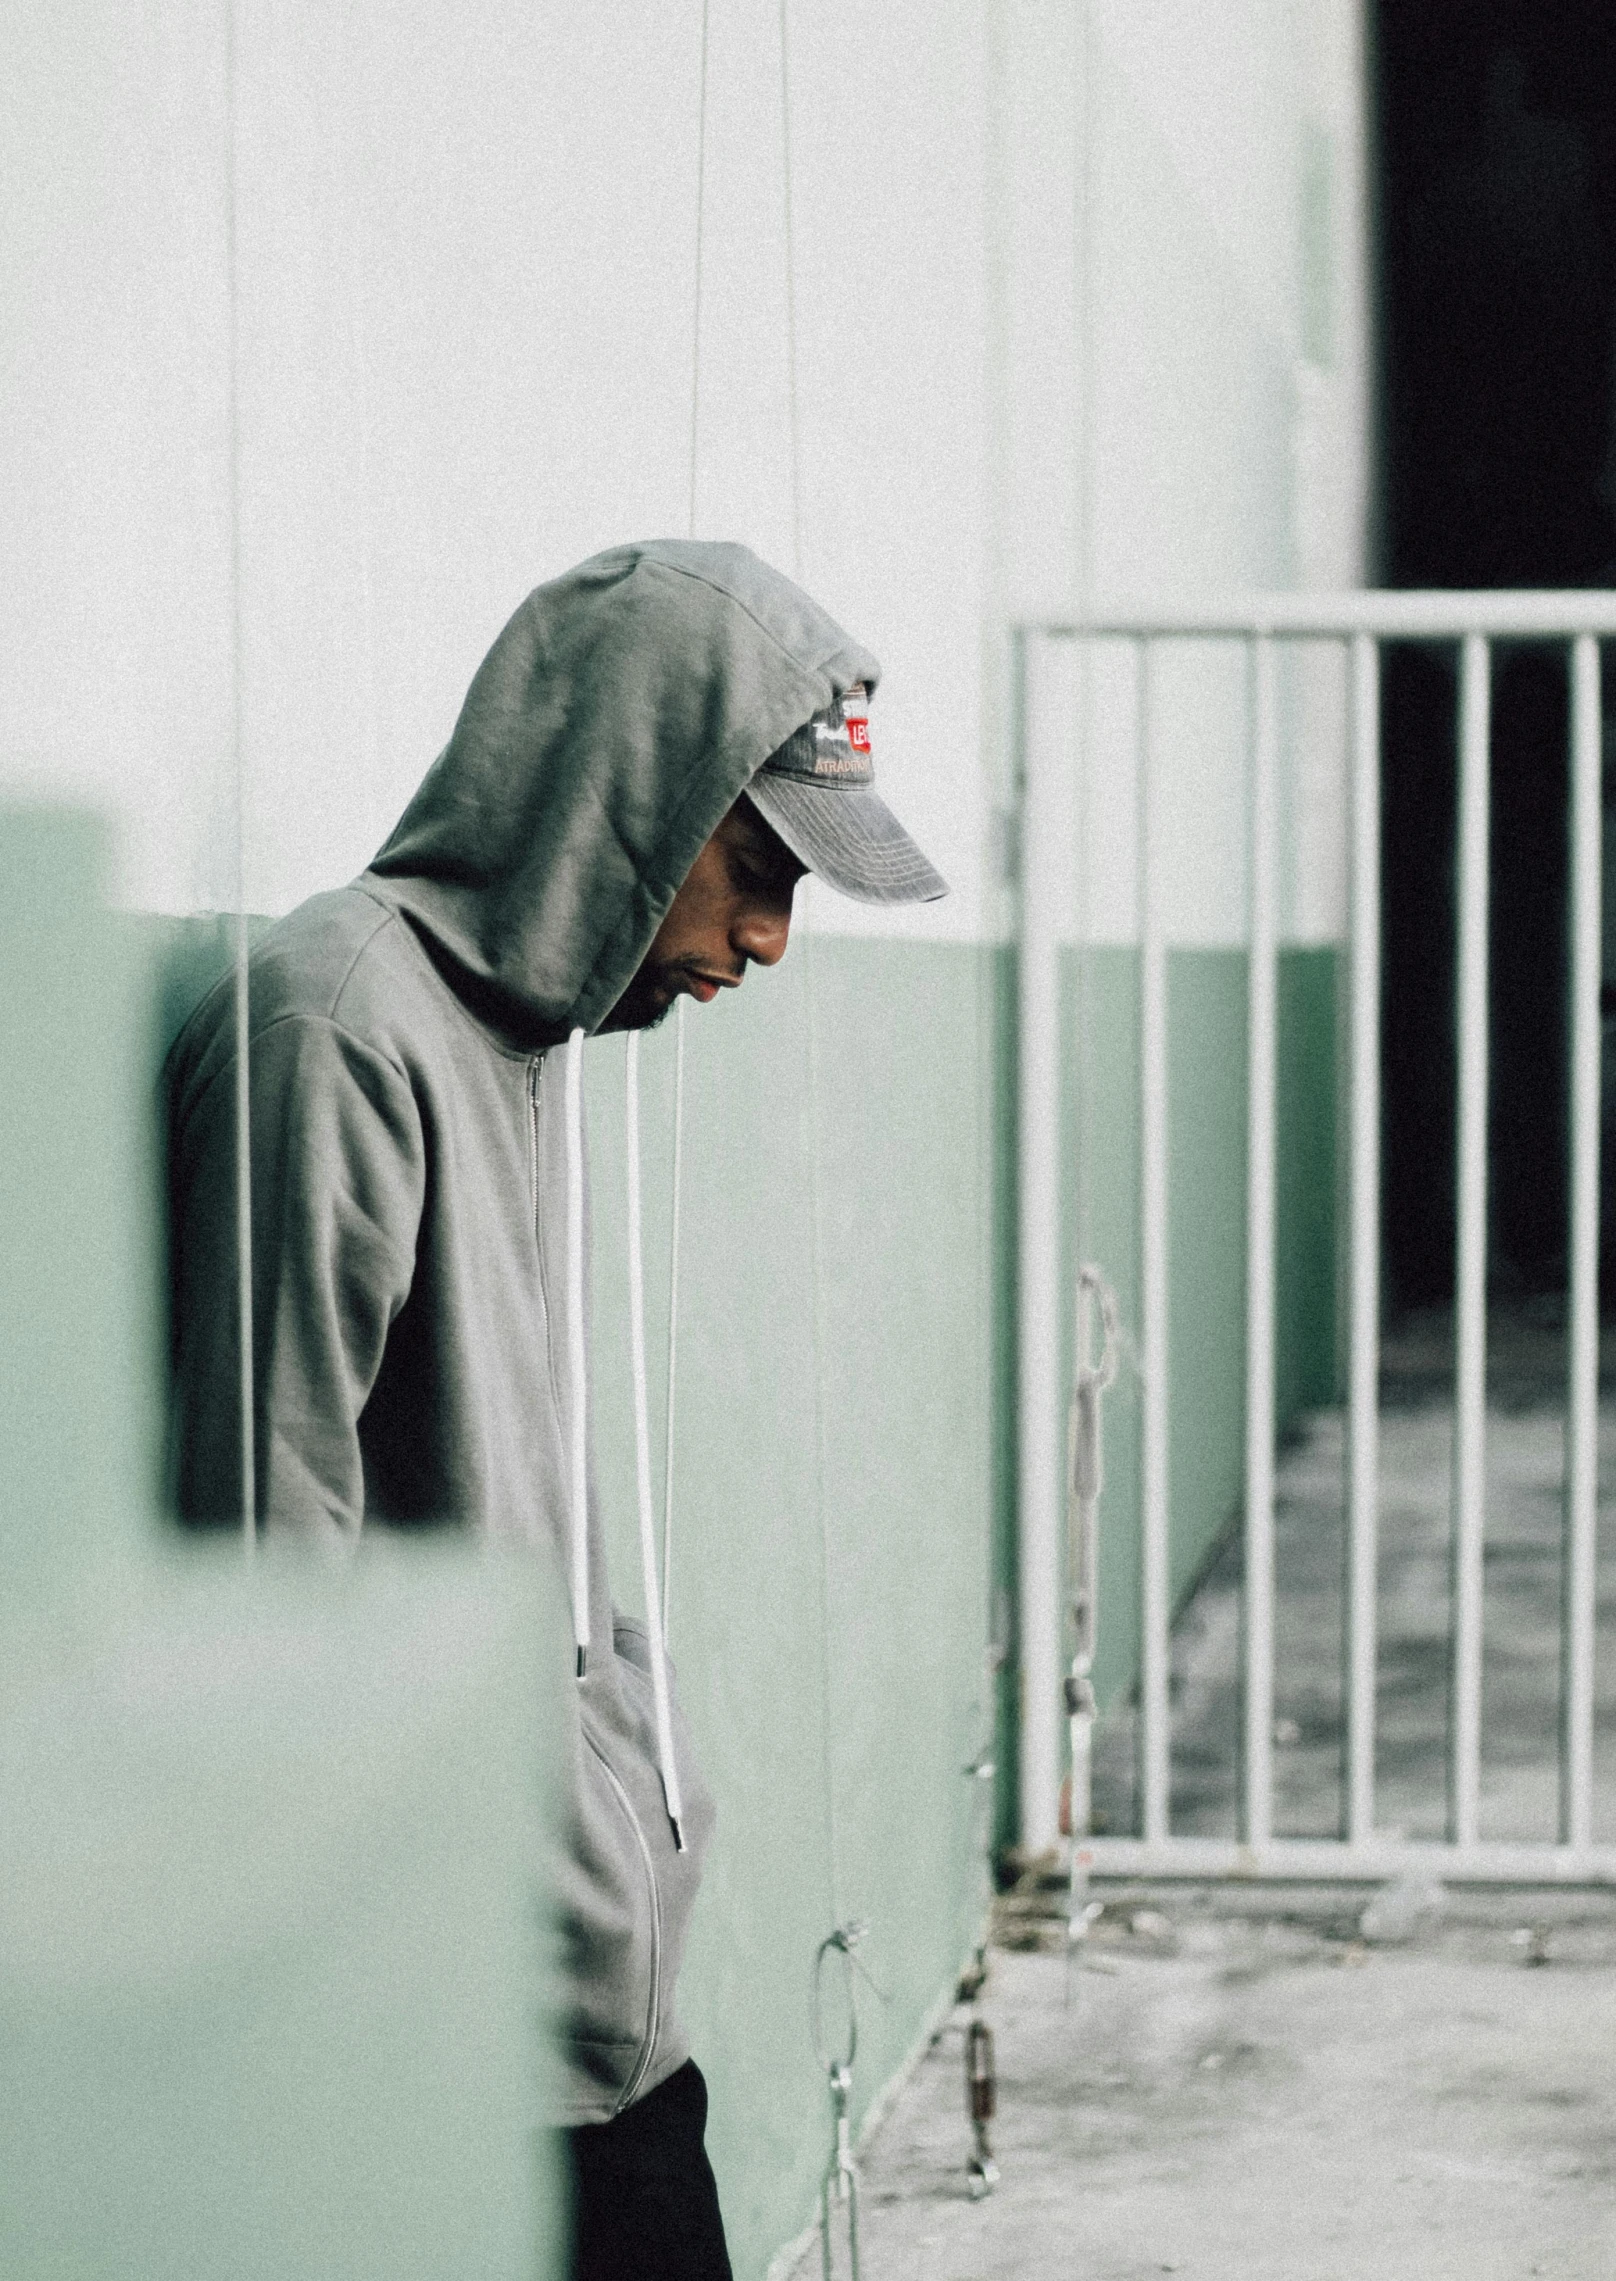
x: 644, y: 2201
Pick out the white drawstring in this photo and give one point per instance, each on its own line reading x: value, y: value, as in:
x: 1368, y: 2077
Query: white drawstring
x: 642, y: 1450
x: 575, y: 1343
x: 673, y: 1314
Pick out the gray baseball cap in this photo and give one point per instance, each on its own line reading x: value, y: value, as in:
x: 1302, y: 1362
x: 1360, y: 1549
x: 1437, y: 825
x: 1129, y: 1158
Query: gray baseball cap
x: 818, y: 792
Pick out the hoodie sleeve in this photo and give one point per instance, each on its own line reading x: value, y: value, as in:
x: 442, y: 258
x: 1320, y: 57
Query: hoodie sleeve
x: 338, y: 1176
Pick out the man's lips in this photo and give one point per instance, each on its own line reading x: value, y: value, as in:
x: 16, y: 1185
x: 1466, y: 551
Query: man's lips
x: 704, y: 988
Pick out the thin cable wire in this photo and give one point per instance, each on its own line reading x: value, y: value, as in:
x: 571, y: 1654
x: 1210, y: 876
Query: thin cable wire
x: 243, y: 1118
x: 815, y: 1216
x: 816, y: 1286
x: 679, y: 1003
x: 695, y: 329
x: 360, y: 271
x: 1088, y: 112
x: 1083, y: 1010
x: 791, y: 294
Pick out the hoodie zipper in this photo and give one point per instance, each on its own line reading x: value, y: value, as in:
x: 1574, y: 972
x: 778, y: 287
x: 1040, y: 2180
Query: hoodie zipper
x: 654, y: 2007
x: 534, y: 1069
x: 533, y: 1141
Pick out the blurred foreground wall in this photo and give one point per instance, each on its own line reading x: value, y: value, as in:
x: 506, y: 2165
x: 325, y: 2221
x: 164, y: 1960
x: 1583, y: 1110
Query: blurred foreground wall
x: 331, y: 332
x: 272, y: 1989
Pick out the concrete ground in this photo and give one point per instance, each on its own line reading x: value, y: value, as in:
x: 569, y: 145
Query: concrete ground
x: 1265, y: 2097
x: 1239, y: 2085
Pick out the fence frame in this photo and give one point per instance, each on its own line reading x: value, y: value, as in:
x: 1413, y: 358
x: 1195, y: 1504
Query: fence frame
x: 1360, y: 621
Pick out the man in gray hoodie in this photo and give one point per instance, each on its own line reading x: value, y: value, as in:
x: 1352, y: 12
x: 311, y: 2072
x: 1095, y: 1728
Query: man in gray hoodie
x: 655, y: 749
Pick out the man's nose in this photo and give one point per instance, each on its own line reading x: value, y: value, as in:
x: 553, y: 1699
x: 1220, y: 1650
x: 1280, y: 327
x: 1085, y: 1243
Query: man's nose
x: 760, y: 933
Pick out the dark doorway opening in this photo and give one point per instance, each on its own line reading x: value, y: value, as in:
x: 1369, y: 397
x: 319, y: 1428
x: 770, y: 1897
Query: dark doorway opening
x: 1497, y: 129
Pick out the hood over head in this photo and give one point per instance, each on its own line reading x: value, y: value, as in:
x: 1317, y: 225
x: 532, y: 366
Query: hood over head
x: 607, y: 733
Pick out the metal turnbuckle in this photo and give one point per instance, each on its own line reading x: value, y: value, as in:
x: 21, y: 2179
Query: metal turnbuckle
x: 839, y: 2189
x: 1091, y: 1378
x: 981, y: 2104
x: 840, y: 2185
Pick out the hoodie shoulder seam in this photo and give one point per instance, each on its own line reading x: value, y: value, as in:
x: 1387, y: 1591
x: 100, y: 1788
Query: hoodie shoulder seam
x: 311, y: 1016
x: 386, y: 919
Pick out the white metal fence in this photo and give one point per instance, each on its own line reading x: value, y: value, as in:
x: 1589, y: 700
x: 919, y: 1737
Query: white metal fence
x: 1362, y: 622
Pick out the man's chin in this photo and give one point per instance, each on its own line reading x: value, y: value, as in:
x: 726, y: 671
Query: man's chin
x: 644, y: 1005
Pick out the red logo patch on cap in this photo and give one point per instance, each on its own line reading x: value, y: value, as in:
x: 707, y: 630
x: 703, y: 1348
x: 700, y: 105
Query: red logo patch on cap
x: 856, y: 717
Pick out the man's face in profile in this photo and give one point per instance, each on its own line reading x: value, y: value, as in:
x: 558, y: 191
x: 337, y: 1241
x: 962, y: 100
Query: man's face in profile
x: 733, y: 910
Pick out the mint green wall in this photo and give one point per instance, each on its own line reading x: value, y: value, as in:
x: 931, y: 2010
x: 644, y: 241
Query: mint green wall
x: 78, y: 1319
x: 1206, y: 1023
x: 832, y: 1710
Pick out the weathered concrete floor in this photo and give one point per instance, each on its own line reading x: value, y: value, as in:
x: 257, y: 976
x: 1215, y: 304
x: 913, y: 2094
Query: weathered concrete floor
x: 1275, y: 2102
x: 1521, y: 1658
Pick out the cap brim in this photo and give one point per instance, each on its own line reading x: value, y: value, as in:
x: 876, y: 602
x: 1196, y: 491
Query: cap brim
x: 848, y: 837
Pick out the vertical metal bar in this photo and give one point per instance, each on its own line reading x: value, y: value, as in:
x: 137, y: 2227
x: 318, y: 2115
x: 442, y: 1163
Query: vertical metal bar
x: 241, y: 945
x: 1082, y: 1575
x: 1582, y: 1409
x: 1038, y: 1318
x: 1470, y: 1408
x: 1154, y: 1551
x: 245, y: 1372
x: 1363, y: 1417
x: 1261, y: 1080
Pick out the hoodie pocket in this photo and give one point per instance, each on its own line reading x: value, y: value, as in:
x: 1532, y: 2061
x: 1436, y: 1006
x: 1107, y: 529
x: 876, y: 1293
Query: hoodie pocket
x: 641, y: 1852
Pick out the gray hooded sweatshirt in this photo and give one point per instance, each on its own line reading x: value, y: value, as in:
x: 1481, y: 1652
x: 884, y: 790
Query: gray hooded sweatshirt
x: 410, y: 1166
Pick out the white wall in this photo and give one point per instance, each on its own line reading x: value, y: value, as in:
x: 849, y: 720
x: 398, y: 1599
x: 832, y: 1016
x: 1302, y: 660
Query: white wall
x: 1229, y: 342
x: 1050, y: 314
